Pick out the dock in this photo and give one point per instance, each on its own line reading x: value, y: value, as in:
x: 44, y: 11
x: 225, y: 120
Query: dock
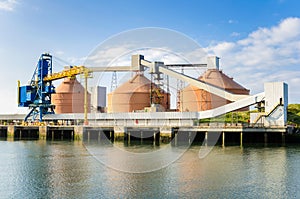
x: 221, y: 134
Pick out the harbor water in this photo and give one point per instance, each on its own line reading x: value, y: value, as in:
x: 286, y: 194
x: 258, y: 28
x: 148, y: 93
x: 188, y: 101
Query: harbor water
x: 66, y: 169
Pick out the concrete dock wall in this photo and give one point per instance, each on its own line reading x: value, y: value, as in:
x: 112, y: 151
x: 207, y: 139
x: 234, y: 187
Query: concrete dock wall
x: 159, y: 135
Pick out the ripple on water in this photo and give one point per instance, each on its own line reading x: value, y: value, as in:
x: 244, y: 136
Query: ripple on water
x: 42, y: 169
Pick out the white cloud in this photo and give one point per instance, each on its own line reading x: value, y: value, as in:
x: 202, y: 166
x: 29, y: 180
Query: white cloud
x: 266, y: 54
x: 121, y: 56
x: 235, y: 34
x: 76, y: 61
x: 8, y: 5
x: 104, y: 56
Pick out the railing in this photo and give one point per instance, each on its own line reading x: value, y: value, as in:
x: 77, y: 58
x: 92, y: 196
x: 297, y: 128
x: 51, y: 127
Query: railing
x: 266, y: 114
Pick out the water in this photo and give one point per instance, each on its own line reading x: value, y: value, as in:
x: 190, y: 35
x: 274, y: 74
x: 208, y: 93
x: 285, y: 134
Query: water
x: 59, y: 169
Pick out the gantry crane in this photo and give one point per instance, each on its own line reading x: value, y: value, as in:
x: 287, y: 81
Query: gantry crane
x: 37, y: 95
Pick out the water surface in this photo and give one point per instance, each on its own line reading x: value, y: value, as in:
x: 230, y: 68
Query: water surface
x: 61, y: 169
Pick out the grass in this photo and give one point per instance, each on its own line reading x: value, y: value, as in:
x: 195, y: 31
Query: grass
x: 232, y: 117
x: 293, y: 116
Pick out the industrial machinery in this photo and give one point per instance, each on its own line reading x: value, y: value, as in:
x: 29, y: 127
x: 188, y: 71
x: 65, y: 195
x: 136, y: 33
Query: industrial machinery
x: 37, y: 95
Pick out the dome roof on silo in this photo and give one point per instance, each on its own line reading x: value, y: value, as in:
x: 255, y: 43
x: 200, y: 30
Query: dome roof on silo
x: 134, y: 95
x: 139, y: 83
x: 221, y: 80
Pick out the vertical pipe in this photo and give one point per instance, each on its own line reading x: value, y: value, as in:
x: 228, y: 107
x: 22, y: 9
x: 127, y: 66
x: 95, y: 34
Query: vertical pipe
x: 18, y: 92
x: 154, y: 138
x: 206, y: 138
x: 85, y: 97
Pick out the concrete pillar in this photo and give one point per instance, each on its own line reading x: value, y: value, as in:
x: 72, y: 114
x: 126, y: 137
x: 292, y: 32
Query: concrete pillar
x: 283, y: 139
x: 206, y: 138
x: 265, y: 138
x: 241, y: 139
x: 42, y: 132
x: 119, y: 133
x: 223, y: 139
x: 62, y: 135
x: 88, y: 136
x: 78, y: 133
x: 128, y: 138
x: 10, y: 131
x: 165, y: 134
x: 20, y: 134
x: 52, y: 135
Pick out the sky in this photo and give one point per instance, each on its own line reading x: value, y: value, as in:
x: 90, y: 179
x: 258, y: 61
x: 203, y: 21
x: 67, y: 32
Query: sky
x: 257, y: 41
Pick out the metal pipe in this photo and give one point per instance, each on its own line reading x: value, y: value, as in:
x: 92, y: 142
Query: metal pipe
x: 85, y: 97
x: 19, y: 84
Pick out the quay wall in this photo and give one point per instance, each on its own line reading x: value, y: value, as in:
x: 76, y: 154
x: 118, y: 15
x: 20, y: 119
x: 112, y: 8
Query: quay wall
x: 226, y: 134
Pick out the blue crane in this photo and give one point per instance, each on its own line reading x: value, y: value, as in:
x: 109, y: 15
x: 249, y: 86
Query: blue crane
x: 37, y: 95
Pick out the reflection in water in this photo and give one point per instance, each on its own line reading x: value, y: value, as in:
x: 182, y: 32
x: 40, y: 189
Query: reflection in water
x: 43, y: 169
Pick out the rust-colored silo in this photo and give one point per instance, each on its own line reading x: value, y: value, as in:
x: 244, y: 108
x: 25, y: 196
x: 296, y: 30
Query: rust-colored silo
x: 134, y: 95
x: 195, y: 99
x: 69, y: 97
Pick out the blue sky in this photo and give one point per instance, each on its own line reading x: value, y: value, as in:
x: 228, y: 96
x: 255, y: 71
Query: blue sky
x: 257, y: 40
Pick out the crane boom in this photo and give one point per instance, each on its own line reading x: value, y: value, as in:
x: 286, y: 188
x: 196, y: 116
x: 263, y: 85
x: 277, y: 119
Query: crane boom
x: 73, y: 71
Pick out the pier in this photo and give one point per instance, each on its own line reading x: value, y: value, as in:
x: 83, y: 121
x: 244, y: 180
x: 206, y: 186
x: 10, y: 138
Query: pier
x: 221, y: 134
x: 154, y: 128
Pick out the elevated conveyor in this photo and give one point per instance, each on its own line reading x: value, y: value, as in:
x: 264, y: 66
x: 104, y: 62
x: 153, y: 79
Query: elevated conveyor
x: 159, y: 67
x: 248, y: 101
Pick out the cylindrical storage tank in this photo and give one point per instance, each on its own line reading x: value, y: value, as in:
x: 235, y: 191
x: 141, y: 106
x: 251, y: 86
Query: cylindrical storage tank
x: 134, y: 95
x: 69, y: 97
x: 196, y: 99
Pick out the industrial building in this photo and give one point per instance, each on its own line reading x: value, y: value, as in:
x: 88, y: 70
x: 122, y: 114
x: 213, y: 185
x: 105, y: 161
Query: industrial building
x: 196, y: 99
x: 144, y: 103
x: 98, y: 99
x: 212, y: 94
x: 138, y: 94
x: 141, y: 94
x: 69, y: 97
